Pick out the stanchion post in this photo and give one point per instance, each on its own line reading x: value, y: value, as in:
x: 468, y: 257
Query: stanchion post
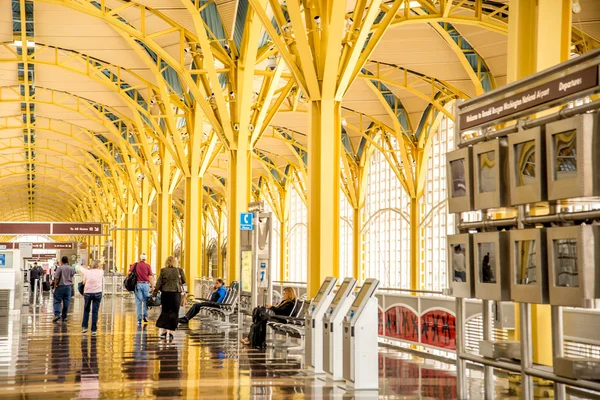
x: 557, y: 347
x: 488, y: 326
x: 461, y: 364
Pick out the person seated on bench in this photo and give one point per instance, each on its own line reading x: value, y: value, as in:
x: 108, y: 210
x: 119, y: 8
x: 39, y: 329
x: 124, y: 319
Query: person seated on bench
x: 284, y: 308
x: 217, y: 297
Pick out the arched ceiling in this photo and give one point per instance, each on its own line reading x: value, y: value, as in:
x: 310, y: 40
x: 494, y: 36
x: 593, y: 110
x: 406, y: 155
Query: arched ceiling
x: 96, y: 95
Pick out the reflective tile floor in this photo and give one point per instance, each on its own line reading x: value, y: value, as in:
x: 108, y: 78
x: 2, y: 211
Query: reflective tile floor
x: 43, y: 360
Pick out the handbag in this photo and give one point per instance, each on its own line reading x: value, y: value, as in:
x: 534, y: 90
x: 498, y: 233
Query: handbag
x: 131, y: 281
x: 182, y: 288
x: 80, y: 287
x: 153, y: 302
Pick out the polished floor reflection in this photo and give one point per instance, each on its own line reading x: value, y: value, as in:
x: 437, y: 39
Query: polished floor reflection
x: 43, y: 360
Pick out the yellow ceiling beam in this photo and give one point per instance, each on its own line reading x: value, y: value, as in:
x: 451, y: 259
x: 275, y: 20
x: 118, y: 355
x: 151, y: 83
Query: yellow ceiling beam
x: 143, y: 34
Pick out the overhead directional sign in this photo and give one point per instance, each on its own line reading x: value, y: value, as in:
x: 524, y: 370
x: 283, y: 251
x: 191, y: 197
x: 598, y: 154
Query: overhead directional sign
x: 39, y: 245
x: 246, y: 221
x: 77, y: 229
x: 51, y: 228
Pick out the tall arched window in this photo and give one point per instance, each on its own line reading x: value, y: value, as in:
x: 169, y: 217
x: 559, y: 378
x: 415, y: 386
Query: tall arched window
x: 298, y: 239
x: 436, y: 223
x: 346, y: 240
x: 387, y: 227
x: 275, y: 260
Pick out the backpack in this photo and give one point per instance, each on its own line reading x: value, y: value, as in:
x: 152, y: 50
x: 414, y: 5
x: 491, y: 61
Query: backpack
x: 131, y: 281
x: 258, y: 335
x: 261, y: 314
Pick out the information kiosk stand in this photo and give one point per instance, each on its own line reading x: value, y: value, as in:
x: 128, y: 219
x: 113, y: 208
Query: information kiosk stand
x: 361, y: 365
x: 313, y: 327
x: 333, y: 350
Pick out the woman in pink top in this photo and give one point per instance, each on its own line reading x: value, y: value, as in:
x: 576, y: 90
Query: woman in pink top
x: 92, y: 292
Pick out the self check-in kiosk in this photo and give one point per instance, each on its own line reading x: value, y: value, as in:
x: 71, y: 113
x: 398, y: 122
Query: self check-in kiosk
x: 313, y: 327
x: 333, y: 349
x: 361, y: 365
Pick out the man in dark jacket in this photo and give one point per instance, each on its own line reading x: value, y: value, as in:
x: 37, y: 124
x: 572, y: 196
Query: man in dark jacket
x: 217, y: 297
x: 35, y: 274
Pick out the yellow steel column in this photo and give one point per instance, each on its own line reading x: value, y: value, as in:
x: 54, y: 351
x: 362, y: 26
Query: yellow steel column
x: 554, y: 34
x: 129, y: 233
x: 238, y: 197
x: 357, y: 245
x: 539, y: 37
x: 144, y: 245
x: 415, y: 248
x: 284, y: 226
x: 323, y: 187
x: 164, y: 226
x: 220, y: 238
x: 192, y: 226
x: 284, y: 265
x: 118, y: 243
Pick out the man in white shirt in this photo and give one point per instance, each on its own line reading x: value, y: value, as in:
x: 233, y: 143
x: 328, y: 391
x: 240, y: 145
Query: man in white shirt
x: 458, y: 264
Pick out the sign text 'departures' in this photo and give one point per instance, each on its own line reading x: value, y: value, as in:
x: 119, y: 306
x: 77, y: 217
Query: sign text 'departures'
x: 544, y: 93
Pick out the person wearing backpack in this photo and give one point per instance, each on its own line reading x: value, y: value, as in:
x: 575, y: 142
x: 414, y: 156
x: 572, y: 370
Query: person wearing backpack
x: 260, y: 317
x: 143, y: 287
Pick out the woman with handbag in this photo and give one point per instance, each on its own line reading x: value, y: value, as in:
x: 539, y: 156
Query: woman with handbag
x: 284, y: 308
x: 169, y: 284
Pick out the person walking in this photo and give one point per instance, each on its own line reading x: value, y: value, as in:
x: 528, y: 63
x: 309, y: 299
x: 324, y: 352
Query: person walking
x: 92, y: 292
x: 35, y: 274
x: 143, y: 288
x: 169, y: 284
x: 63, y: 280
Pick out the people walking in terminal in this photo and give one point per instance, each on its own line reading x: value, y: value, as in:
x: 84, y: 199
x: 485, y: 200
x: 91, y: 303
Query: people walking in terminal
x: 35, y: 274
x: 143, y: 288
x: 169, y: 284
x: 92, y: 292
x: 285, y: 307
x: 63, y: 280
x: 217, y: 296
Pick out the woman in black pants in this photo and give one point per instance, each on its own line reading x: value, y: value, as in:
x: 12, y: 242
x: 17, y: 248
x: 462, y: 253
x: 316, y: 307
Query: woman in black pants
x: 284, y: 308
x: 169, y: 284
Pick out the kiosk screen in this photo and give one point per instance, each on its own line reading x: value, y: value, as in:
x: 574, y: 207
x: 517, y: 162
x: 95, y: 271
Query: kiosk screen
x: 364, y: 291
x: 322, y: 290
x: 340, y: 293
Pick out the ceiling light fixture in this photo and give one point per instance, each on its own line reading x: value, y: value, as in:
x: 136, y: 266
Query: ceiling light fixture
x: 19, y: 43
x: 318, y: 21
x: 576, y: 7
x: 272, y: 63
x: 349, y: 23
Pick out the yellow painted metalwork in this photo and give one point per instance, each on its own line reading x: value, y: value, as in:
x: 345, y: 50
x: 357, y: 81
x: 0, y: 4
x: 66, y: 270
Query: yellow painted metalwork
x: 238, y: 196
x: 535, y: 45
x: 323, y: 192
x: 164, y: 246
x: 193, y: 227
x: 130, y: 256
x: 144, y: 222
